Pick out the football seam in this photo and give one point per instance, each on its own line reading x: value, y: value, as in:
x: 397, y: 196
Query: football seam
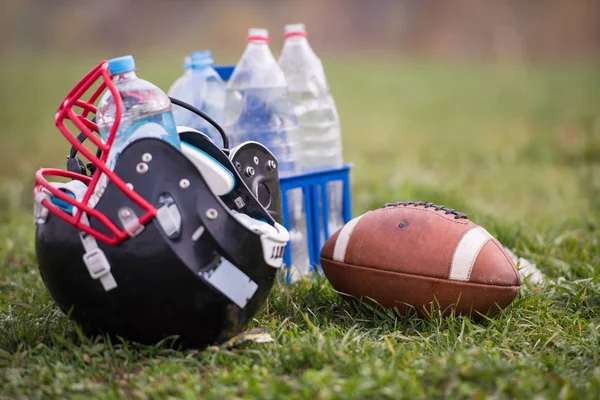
x: 344, y: 264
x: 436, y: 213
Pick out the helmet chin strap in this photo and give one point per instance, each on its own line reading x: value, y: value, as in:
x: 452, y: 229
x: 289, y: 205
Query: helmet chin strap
x: 229, y: 279
x: 94, y: 258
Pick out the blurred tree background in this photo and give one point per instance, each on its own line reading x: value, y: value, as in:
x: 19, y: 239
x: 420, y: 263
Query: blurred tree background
x: 502, y: 30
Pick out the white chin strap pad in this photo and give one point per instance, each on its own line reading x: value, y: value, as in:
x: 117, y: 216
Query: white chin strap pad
x: 219, y: 179
x: 40, y: 213
x: 274, y: 239
x: 76, y: 187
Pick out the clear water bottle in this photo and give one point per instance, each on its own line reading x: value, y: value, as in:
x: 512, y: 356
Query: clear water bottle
x: 258, y: 104
x: 316, y: 113
x: 176, y: 86
x: 202, y: 87
x: 146, y: 113
x: 258, y: 108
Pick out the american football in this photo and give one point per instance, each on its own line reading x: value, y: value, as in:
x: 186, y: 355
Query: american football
x: 417, y: 255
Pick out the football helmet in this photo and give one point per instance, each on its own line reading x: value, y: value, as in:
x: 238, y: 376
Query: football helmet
x: 179, y: 243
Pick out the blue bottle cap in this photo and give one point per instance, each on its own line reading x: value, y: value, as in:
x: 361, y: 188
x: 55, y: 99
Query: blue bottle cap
x: 202, y: 58
x: 121, y: 65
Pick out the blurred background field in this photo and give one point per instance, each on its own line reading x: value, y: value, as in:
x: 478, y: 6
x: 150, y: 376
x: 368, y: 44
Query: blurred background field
x: 489, y: 107
x: 507, y: 141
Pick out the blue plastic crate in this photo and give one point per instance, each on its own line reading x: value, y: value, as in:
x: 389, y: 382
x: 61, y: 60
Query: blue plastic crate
x: 225, y: 71
x: 314, y: 191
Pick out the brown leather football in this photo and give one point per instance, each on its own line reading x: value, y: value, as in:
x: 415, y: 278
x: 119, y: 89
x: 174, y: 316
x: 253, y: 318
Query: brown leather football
x: 422, y: 256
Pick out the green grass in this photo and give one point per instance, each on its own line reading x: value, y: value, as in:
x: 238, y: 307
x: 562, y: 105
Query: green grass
x: 516, y: 148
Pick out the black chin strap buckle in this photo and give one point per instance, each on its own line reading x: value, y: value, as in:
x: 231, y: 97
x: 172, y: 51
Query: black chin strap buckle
x: 76, y: 165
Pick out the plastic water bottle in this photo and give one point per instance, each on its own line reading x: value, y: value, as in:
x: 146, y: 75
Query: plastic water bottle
x: 258, y: 108
x: 176, y: 86
x: 258, y: 104
x: 202, y: 87
x: 316, y: 113
x: 146, y: 113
